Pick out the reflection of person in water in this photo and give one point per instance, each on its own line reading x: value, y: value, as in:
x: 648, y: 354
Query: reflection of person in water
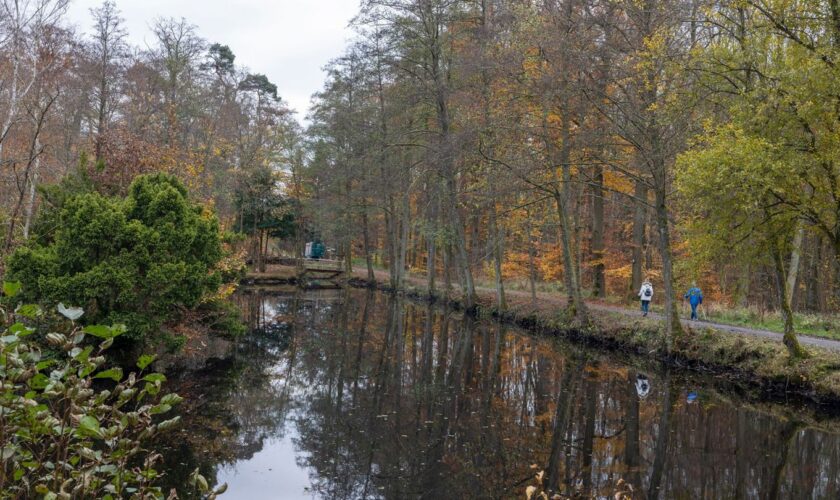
x: 642, y: 386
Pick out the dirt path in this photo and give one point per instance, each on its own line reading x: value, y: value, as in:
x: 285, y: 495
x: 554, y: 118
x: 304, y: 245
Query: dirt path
x: 553, y: 300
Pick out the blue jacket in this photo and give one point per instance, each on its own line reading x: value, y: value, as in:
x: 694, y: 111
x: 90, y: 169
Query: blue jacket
x: 694, y: 296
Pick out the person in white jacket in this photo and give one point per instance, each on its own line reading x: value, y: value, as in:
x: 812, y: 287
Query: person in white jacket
x: 646, y: 295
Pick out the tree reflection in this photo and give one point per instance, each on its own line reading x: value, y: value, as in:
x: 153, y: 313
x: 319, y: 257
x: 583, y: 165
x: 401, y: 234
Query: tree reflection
x: 390, y: 399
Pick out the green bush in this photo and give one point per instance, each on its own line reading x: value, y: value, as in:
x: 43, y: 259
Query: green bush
x: 138, y: 261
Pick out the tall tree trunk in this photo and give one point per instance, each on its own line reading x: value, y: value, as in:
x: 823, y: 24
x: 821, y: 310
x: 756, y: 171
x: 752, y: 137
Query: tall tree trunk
x: 498, y: 252
x: 13, y: 217
x: 402, y: 248
x: 33, y: 165
x: 569, y: 225
x: 561, y: 199
x: 371, y: 277
x: 673, y: 327
x: 392, y: 230
x: 599, y: 284
x: 34, y: 157
x: 463, y: 260
x: 431, y: 240
x: 33, y: 181
x: 431, y: 266
x: 14, y: 100
x: 795, y: 257
x: 791, y: 342
x: 742, y: 293
x: 561, y: 195
x: 812, y: 279
x: 639, y: 219
x: 266, y: 247
x: 256, y: 245
x: 447, y: 165
x: 532, y: 268
x: 488, y: 136
x: 447, y: 266
x: 574, y: 294
x: 262, y: 250
x: 413, y: 242
x: 102, y: 110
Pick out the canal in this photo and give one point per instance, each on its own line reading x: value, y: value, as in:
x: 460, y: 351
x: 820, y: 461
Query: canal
x: 346, y: 394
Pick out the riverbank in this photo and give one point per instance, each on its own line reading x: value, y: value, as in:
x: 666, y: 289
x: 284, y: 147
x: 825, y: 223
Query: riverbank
x: 753, y: 362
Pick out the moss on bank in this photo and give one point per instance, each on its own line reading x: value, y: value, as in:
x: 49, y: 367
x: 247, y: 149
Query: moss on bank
x: 759, y: 363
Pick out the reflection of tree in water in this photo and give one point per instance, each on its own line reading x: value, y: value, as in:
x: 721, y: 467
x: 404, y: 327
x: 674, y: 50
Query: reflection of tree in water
x: 420, y: 406
x: 415, y: 403
x: 234, y: 405
x: 392, y: 399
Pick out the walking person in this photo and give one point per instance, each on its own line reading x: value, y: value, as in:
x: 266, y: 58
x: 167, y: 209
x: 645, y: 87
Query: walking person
x: 694, y: 296
x: 646, y: 295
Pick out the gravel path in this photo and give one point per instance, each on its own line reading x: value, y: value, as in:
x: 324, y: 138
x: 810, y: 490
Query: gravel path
x: 560, y: 301
x: 804, y: 339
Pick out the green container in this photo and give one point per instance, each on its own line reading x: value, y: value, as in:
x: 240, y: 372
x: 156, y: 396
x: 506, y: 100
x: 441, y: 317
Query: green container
x: 318, y: 250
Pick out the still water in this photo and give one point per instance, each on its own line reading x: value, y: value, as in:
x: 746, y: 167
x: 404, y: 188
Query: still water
x: 355, y: 394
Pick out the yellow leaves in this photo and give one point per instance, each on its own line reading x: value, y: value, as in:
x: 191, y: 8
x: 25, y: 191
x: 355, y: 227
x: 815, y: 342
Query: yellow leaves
x: 550, y: 263
x: 617, y: 182
x: 531, y: 64
x: 224, y: 292
x: 623, y: 272
x: 655, y: 43
x: 208, y: 209
x: 515, y: 265
x: 554, y: 119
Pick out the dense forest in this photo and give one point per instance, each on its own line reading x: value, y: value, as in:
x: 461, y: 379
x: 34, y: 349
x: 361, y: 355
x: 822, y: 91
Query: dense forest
x: 589, y: 143
x: 520, y: 143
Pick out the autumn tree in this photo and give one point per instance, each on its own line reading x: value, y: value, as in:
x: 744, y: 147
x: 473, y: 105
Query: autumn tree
x: 727, y: 181
x: 423, y: 33
x: 109, y: 51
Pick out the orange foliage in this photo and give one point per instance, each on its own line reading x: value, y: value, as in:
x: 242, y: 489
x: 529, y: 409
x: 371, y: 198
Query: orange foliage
x: 550, y: 263
x: 515, y: 265
x: 125, y: 156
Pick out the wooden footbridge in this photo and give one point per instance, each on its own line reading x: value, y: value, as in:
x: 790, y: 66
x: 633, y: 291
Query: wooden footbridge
x: 302, y: 272
x: 321, y: 269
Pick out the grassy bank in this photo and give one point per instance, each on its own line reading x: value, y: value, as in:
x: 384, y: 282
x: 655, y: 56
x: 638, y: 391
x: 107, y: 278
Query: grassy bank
x: 758, y: 363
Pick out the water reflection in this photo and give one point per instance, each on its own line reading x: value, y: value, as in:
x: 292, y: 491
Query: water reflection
x: 352, y: 394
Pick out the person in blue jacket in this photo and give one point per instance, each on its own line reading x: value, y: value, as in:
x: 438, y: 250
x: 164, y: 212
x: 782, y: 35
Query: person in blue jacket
x: 694, y: 296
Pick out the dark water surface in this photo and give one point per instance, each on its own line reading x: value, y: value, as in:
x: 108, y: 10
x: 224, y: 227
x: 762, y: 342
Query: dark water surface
x: 353, y: 394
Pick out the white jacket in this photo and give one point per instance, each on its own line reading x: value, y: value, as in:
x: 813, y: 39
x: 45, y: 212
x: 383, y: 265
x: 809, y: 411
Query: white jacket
x: 646, y: 286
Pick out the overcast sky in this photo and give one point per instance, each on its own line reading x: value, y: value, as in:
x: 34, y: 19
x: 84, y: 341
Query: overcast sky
x: 290, y: 41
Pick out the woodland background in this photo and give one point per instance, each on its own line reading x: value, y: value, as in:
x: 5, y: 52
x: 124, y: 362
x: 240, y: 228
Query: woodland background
x: 524, y: 143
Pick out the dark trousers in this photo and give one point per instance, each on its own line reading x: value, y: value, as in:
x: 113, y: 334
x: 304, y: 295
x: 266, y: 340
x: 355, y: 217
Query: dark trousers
x: 694, y: 311
x: 645, y: 306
